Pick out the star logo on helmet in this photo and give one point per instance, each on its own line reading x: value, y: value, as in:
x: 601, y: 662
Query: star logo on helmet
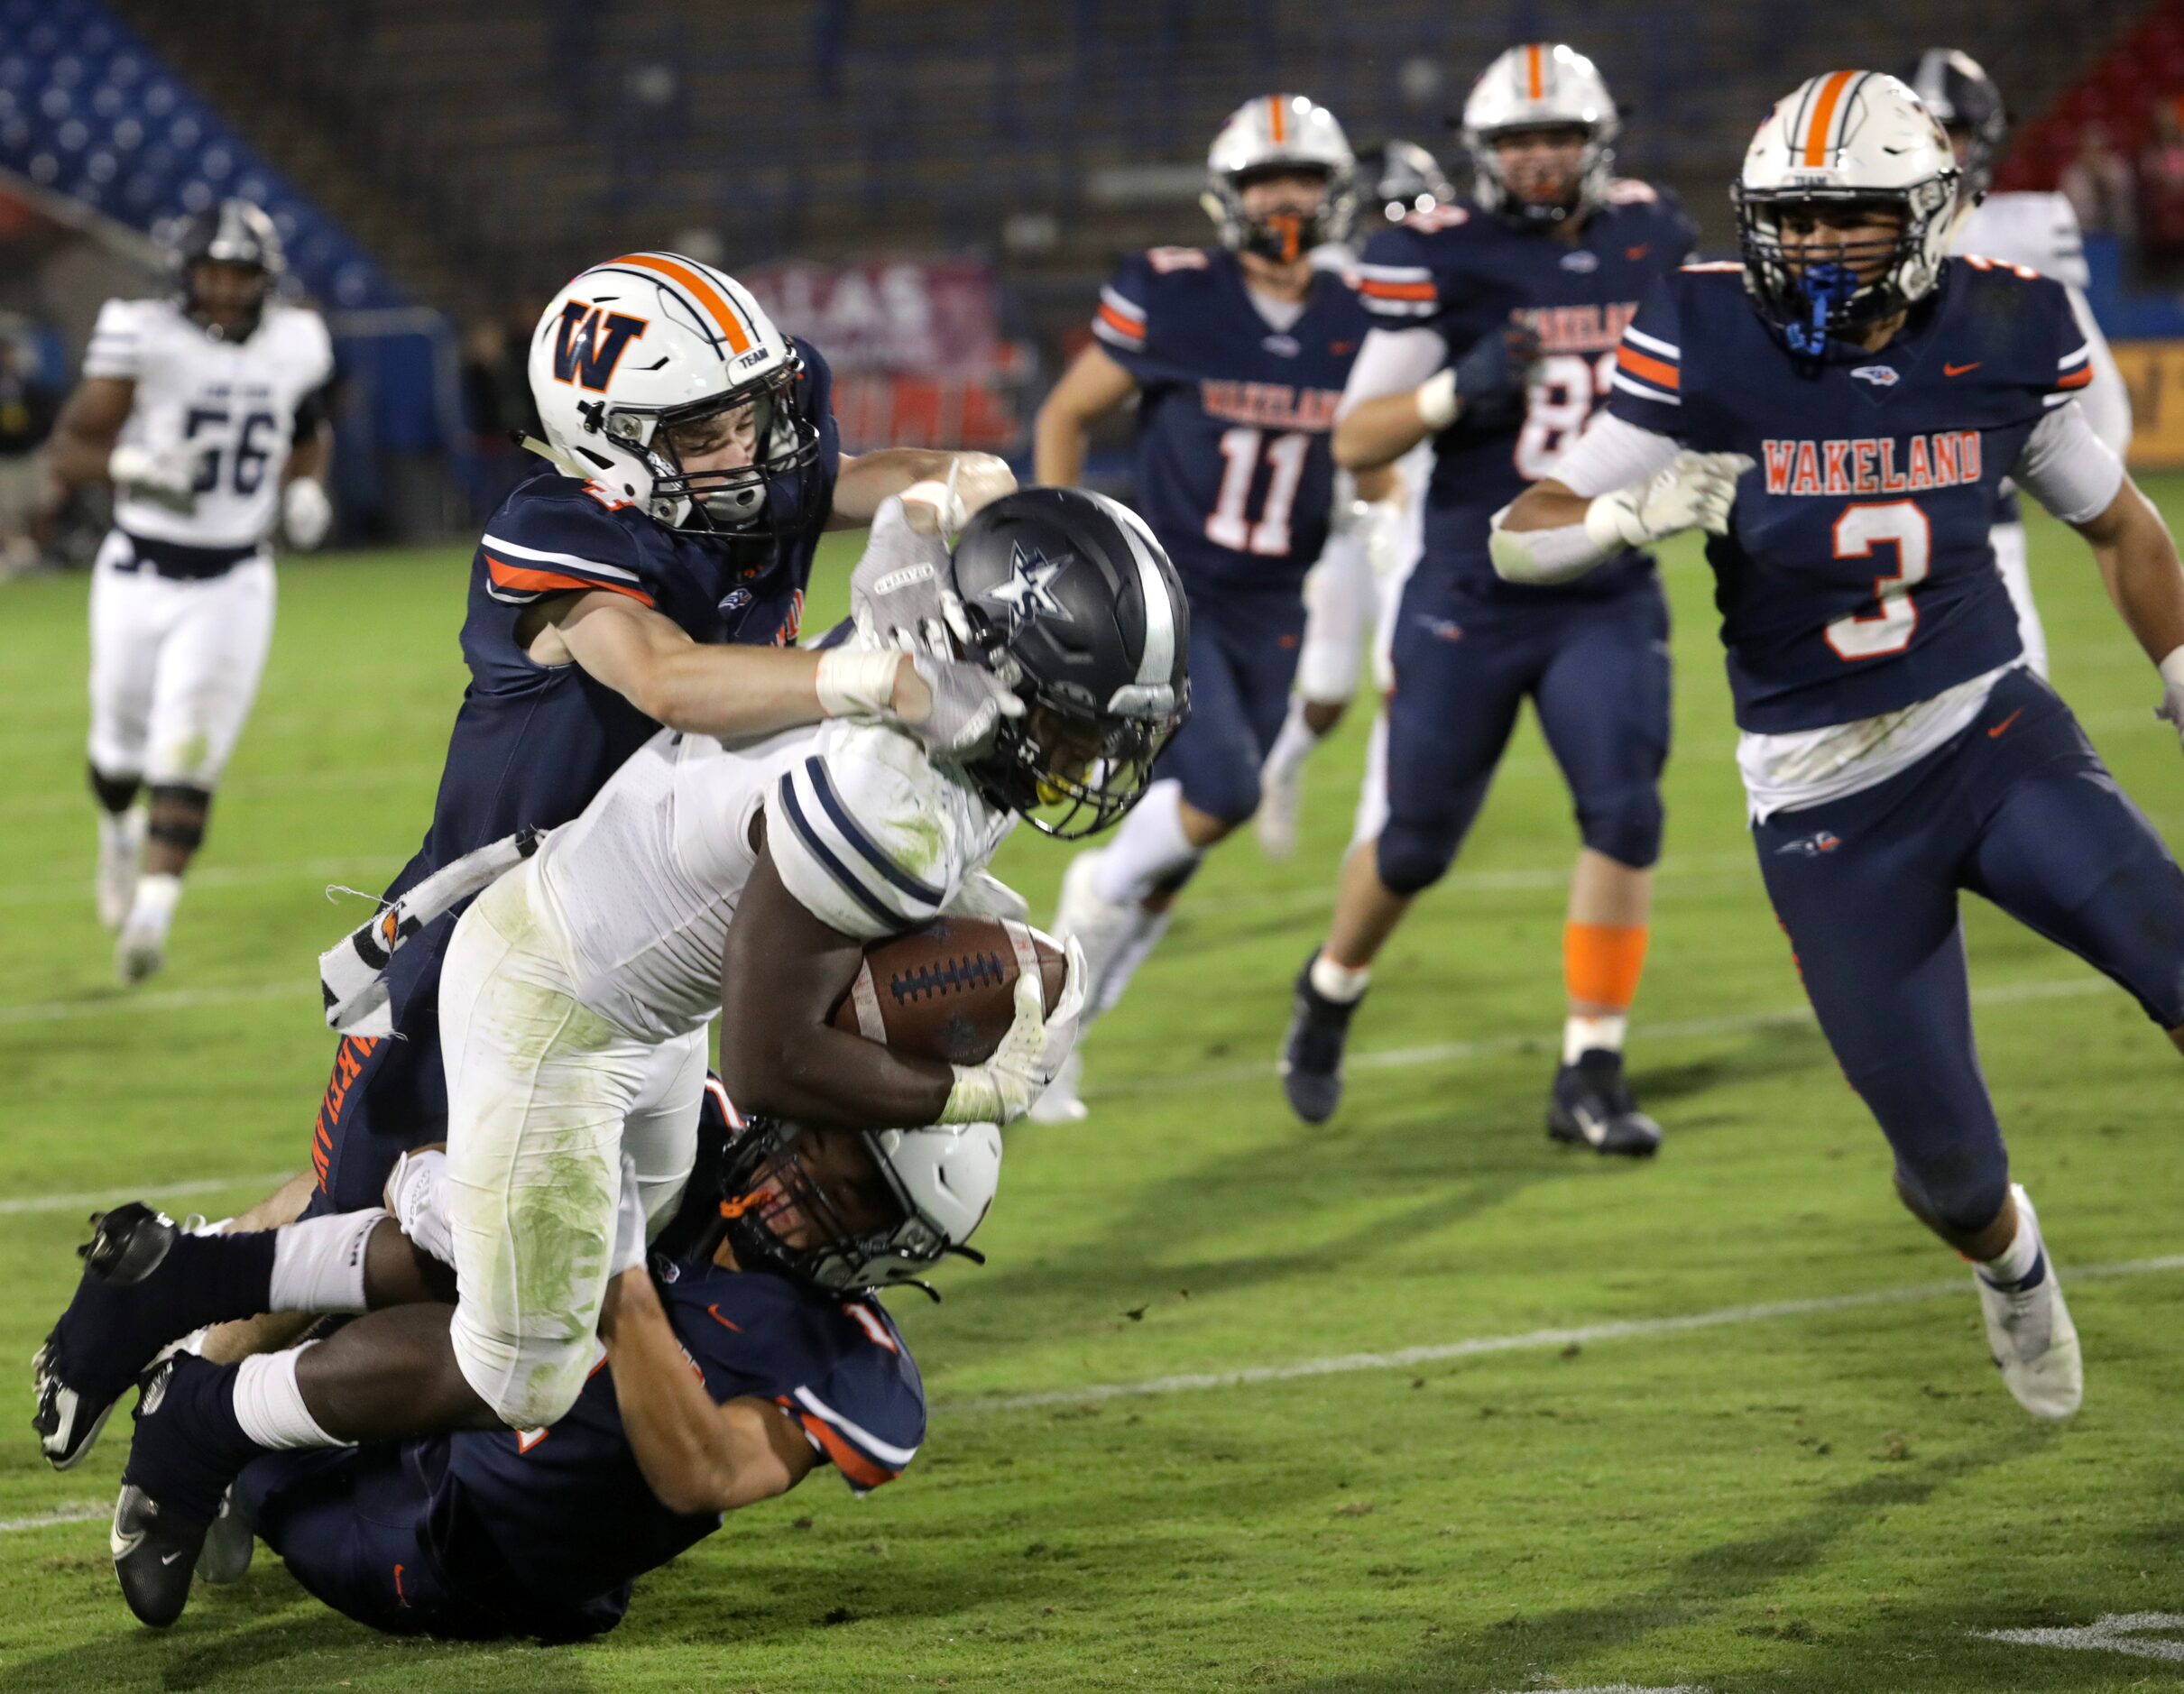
x: 1029, y: 591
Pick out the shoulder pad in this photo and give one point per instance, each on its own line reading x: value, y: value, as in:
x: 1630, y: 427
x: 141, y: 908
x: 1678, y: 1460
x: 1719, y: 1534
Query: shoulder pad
x: 117, y: 339
x: 868, y: 1416
x: 862, y: 833
x: 554, y: 534
x: 1631, y: 192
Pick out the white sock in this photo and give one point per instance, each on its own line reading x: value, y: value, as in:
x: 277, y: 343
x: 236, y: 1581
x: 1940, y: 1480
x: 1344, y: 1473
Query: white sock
x: 1339, y: 982
x: 1294, y: 745
x: 1581, y: 1036
x: 318, y: 1265
x: 1134, y: 953
x: 2014, y: 1263
x: 157, y: 895
x: 269, y: 1403
x: 117, y: 831
x: 1147, y: 849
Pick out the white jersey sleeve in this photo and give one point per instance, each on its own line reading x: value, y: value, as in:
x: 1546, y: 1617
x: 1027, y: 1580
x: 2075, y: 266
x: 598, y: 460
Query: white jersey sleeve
x: 871, y: 837
x: 117, y: 341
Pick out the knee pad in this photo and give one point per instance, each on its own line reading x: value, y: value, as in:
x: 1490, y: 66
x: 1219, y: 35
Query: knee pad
x: 114, y: 794
x: 179, y: 812
x: 1959, y: 1186
x: 1228, y: 791
x: 527, y: 1383
x: 1412, y: 856
x: 1624, y: 826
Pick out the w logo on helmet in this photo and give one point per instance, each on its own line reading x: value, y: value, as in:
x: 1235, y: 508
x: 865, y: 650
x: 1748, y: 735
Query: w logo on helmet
x: 590, y: 343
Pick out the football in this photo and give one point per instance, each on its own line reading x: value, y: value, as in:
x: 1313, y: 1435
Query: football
x: 946, y: 991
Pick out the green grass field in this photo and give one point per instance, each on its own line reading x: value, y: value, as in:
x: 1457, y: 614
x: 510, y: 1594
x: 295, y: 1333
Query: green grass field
x: 1823, y: 1486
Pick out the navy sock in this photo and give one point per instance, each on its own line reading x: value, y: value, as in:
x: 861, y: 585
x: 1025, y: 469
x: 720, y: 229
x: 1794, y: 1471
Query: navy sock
x: 190, y: 1445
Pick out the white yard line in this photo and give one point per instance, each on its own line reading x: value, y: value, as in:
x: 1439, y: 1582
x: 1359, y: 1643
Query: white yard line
x: 24, y: 1203
x: 1477, y: 1347
x: 376, y: 868
x: 74, y: 1512
x: 299, y: 986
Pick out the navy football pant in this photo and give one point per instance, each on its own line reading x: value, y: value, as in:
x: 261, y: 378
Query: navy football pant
x: 351, y: 1525
x: 1597, y: 672
x: 2018, y: 808
x: 1243, y: 657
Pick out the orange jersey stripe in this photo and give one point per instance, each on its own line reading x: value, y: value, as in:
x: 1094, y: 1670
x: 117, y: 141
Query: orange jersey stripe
x: 1655, y: 370
x: 553, y: 581
x: 1116, y: 322
x: 1534, y: 83
x: 848, y: 1461
x: 1823, y: 116
x: 2078, y: 378
x: 731, y: 322
x: 1397, y: 290
x: 1277, y: 120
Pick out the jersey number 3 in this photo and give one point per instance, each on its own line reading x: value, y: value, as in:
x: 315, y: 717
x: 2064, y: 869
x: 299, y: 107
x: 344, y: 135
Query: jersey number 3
x: 1226, y: 524
x: 1900, y: 524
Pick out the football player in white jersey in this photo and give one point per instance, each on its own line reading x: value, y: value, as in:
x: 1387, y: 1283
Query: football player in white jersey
x: 203, y: 411
x: 2039, y: 232
x: 739, y: 879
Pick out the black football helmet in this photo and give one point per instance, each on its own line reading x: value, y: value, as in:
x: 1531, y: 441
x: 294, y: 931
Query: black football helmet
x: 234, y: 231
x: 1965, y: 99
x: 1067, y: 597
x: 1399, y: 177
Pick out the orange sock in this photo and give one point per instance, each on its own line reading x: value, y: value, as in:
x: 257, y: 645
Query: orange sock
x: 1601, y: 962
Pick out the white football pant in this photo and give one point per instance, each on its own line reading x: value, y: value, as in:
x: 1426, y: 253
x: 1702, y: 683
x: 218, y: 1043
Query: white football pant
x: 174, y: 665
x: 544, y: 1097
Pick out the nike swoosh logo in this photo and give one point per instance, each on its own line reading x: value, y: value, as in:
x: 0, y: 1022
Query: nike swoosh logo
x: 168, y: 1558
x: 1959, y: 369
x: 1994, y: 733
x: 1594, y: 1126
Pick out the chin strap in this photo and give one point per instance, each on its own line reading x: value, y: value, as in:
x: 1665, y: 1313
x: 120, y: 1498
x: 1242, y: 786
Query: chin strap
x: 566, y: 463
x: 1825, y: 286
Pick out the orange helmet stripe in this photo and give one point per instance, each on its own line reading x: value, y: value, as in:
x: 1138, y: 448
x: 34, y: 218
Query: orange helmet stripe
x: 1277, y: 120
x: 1535, y: 84
x: 709, y: 298
x: 1823, y: 115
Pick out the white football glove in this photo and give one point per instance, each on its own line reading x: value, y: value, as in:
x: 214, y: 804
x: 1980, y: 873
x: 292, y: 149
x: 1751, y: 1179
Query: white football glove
x: 985, y: 894
x: 415, y: 1194
x: 901, y: 587
x: 629, y: 1222
x: 968, y: 704
x: 1695, y: 492
x: 974, y: 480
x: 1031, y: 1054
x: 306, y: 513
x: 164, y: 474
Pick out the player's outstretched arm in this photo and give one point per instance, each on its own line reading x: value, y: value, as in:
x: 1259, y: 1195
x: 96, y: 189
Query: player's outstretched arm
x: 1092, y: 386
x: 869, y: 480
x: 782, y: 974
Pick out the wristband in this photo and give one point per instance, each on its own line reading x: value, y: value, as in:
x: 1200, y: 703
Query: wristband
x: 1436, y: 399
x: 853, y: 685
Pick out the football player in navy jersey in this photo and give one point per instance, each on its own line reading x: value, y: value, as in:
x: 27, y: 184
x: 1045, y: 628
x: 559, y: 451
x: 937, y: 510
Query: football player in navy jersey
x: 1838, y: 413
x: 1497, y: 324
x: 747, y: 1350
x: 695, y: 464
x: 1236, y: 355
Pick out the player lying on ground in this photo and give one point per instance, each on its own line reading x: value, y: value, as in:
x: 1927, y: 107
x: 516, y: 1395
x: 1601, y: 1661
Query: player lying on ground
x: 1236, y: 355
x: 1839, y: 414
x: 1497, y: 319
x: 740, y: 881
x: 655, y: 575
x: 743, y: 1353
x: 204, y: 412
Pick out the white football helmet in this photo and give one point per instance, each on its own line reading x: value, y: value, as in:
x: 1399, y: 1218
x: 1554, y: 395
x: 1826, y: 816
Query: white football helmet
x: 1542, y: 85
x: 1846, y: 138
x: 1269, y: 136
x: 651, y: 341
x: 941, y: 1180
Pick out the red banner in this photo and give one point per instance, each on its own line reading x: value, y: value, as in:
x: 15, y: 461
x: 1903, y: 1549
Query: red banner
x: 915, y: 344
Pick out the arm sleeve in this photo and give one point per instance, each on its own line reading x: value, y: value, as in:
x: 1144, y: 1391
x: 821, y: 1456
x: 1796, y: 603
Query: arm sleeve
x: 560, y: 541
x: 1646, y: 388
x: 1613, y: 453
x: 117, y: 345
x: 2068, y: 468
x: 2105, y: 400
x: 858, y: 837
x: 1392, y: 362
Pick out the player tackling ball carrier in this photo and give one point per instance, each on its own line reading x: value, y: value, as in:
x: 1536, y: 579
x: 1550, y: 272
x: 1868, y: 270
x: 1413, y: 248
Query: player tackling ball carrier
x: 739, y: 879
x: 1838, y: 413
x: 204, y: 410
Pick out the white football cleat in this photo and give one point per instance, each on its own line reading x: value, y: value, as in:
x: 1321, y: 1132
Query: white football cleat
x: 121, y: 853
x: 2030, y: 1333
x: 1061, y: 1102
x: 141, y: 948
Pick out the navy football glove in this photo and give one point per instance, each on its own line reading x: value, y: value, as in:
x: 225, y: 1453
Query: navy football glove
x: 1492, y: 377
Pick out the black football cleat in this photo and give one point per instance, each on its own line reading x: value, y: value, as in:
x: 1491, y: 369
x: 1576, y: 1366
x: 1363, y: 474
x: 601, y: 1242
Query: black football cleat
x: 184, y: 1457
x: 153, y: 1557
x: 106, y: 1338
x: 1311, y: 1056
x: 228, y: 1544
x: 1592, y: 1107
